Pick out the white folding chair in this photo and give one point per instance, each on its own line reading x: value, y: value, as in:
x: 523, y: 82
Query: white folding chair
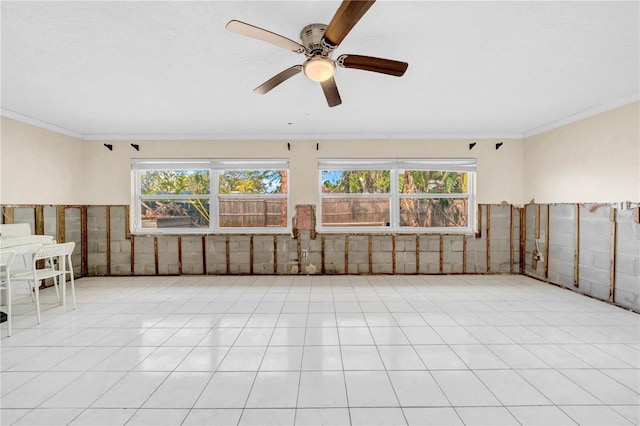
x: 52, y: 269
x: 6, y: 259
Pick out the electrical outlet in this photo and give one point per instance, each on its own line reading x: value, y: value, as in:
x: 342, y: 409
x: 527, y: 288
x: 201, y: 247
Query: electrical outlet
x: 304, y: 254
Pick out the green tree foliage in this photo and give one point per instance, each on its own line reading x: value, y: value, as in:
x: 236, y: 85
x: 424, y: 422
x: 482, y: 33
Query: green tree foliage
x: 357, y: 182
x: 432, y: 182
x: 165, y: 182
x: 429, y: 212
x: 251, y: 182
x: 415, y: 211
x: 179, y: 182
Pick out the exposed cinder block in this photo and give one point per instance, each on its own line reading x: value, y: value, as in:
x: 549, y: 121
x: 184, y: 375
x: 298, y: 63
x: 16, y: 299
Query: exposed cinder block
x: 192, y: 256
x: 50, y: 220
x: 216, y: 254
x: 476, y: 255
x: 593, y: 269
x: 406, y: 268
x: 595, y: 275
x: 629, y: 299
x: 406, y: 243
x: 287, y: 255
x: 359, y: 257
x: 382, y: 268
x: 167, y: 255
x: 315, y: 245
x: 332, y: 267
x: 263, y: 260
x: 599, y: 290
x: 25, y: 215
x: 429, y: 263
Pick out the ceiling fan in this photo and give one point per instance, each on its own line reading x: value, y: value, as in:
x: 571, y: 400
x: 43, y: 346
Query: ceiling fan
x: 318, y: 43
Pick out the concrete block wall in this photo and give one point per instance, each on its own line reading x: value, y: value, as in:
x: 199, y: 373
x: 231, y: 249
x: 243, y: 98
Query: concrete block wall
x: 562, y: 244
x: 144, y: 256
x: 535, y: 241
x: 168, y: 257
x: 288, y: 253
x: 72, y: 232
x: 405, y: 254
x: 352, y: 254
x: 595, y: 252
x: 476, y: 259
x: 25, y: 215
x: 263, y: 250
x: 334, y: 257
x: 239, y: 254
x: 430, y: 254
x: 216, y: 256
x: 516, y: 238
x: 371, y: 253
x: 627, y: 278
x: 452, y: 254
x: 120, y: 245
x: 97, y: 240
x: 500, y: 238
x: 592, y: 273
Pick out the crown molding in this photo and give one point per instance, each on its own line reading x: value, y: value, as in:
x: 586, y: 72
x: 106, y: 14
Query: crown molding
x: 299, y: 136
x: 39, y: 123
x: 325, y: 136
x: 608, y: 106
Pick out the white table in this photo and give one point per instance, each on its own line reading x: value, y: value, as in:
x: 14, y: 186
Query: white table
x: 24, y: 246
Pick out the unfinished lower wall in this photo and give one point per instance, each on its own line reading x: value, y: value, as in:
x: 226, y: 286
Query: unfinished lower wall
x: 106, y: 247
x: 593, y: 249
x: 590, y: 248
x: 627, y: 267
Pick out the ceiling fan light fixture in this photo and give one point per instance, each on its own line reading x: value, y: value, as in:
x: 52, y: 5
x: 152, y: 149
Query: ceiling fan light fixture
x: 319, y: 69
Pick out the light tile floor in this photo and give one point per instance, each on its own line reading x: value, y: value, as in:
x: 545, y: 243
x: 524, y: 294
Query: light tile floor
x: 360, y: 350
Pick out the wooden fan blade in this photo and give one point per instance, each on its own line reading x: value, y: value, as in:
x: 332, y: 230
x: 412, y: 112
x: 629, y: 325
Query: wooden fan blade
x: 249, y: 30
x: 345, y: 18
x: 278, y: 79
x: 369, y: 63
x: 331, y: 92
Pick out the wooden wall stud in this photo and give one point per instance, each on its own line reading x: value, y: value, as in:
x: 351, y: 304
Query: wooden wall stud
x: 488, y: 238
x: 393, y: 254
x: 546, y: 241
x: 612, y: 259
x: 227, y: 254
x: 417, y: 253
x: 576, y: 246
x: 346, y: 254
x: 155, y: 255
x: 84, y: 242
x: 204, y: 255
x: 179, y: 255
x: 108, y: 232
x: 7, y: 214
x: 60, y: 224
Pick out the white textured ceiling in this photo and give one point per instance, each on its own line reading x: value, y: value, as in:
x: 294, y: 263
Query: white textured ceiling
x: 170, y: 69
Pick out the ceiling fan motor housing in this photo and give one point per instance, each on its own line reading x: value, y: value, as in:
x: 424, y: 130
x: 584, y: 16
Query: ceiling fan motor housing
x: 311, y: 37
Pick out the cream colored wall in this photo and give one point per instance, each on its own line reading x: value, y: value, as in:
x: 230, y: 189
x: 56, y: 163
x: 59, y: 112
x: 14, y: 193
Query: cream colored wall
x: 499, y: 171
x: 38, y: 166
x: 43, y: 167
x: 596, y: 159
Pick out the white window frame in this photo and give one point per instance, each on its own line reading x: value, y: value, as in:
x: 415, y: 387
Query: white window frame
x: 396, y: 167
x: 216, y: 167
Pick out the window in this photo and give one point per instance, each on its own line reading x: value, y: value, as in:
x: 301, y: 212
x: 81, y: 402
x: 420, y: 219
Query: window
x: 199, y: 196
x: 397, y: 195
